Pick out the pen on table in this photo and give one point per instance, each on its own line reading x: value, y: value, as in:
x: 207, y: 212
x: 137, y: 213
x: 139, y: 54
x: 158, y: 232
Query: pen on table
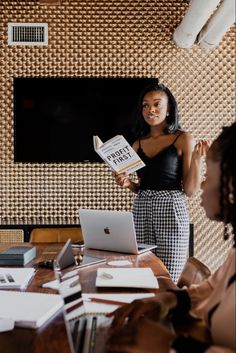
x: 105, y: 301
x: 75, y: 283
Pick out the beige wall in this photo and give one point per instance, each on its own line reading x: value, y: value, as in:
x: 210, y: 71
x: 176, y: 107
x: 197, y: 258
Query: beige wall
x: 108, y: 38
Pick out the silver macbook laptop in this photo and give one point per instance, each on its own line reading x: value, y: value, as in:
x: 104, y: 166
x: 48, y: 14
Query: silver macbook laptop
x: 110, y: 230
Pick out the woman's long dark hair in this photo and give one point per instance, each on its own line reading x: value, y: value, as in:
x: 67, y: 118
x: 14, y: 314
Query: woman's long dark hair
x: 172, y: 120
x: 224, y: 150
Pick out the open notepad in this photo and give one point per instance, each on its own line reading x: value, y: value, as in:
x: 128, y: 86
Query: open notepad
x: 15, y: 278
x: 106, y: 303
x: 126, y: 277
x: 29, y: 309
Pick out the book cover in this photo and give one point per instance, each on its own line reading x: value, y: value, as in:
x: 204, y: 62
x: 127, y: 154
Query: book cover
x: 118, y: 154
x: 29, y: 310
x: 17, y: 255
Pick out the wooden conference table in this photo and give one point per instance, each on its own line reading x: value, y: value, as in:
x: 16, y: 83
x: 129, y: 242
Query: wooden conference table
x: 51, y: 337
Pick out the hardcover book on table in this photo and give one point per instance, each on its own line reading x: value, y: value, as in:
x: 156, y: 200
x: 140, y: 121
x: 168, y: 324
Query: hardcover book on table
x: 17, y: 255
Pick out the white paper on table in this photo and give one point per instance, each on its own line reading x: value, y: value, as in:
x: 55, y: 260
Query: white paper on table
x: 126, y: 277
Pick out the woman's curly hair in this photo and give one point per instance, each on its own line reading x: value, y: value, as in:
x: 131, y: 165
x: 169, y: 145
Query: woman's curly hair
x: 224, y: 150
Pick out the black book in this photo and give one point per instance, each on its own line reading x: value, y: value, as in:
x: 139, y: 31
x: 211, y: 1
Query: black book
x: 17, y: 255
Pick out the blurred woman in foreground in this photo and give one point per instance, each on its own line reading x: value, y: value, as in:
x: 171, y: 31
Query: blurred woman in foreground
x: 134, y: 327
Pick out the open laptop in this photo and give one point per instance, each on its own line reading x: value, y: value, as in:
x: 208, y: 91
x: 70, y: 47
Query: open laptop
x: 110, y: 230
x: 66, y: 258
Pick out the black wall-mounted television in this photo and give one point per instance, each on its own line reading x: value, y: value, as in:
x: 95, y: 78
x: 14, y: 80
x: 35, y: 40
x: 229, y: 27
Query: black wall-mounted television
x: 56, y: 118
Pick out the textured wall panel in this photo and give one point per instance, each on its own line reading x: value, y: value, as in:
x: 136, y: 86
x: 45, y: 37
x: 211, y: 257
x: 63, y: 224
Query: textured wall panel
x: 108, y: 38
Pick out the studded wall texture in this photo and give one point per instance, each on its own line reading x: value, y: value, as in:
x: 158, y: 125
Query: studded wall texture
x: 108, y: 38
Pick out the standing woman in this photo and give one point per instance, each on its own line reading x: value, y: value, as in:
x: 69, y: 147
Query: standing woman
x: 172, y: 171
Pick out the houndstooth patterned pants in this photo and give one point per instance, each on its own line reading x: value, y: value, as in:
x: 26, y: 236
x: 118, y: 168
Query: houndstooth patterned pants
x: 161, y: 218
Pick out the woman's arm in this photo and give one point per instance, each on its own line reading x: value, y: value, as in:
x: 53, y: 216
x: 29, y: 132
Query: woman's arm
x: 155, y: 308
x: 124, y: 181
x: 151, y: 337
x: 191, y: 162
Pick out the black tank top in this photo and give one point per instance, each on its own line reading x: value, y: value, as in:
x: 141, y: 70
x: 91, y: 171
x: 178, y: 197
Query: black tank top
x: 163, y: 171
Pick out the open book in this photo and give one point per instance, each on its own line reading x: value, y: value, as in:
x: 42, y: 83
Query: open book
x: 15, y: 278
x: 118, y: 154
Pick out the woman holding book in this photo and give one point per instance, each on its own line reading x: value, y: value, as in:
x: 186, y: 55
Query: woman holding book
x: 172, y: 171
x: 135, y: 326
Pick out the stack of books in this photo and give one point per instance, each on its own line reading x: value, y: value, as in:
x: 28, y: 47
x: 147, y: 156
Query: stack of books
x: 17, y: 255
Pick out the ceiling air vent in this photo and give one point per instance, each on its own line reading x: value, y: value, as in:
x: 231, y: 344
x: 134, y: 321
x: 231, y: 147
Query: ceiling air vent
x: 27, y: 34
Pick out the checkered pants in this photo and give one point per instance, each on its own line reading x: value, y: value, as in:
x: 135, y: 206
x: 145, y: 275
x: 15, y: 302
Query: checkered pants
x: 161, y: 218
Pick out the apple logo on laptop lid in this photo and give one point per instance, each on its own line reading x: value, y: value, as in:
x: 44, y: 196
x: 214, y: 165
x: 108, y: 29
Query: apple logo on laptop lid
x: 107, y: 231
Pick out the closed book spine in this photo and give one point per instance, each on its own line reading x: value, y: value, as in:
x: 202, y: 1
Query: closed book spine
x: 13, y: 262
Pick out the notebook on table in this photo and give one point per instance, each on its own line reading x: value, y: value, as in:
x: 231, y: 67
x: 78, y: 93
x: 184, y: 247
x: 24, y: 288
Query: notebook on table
x: 126, y: 278
x: 29, y: 310
x: 84, y: 314
x: 111, y: 230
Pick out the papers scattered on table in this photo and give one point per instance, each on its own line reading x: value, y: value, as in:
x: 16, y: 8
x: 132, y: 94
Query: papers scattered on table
x: 29, y: 309
x: 126, y: 277
x: 11, y: 278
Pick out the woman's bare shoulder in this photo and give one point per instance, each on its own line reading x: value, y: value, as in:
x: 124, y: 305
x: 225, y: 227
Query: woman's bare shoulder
x: 185, y: 137
x: 136, y: 145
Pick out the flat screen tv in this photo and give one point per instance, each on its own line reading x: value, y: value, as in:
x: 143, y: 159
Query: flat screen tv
x: 56, y: 118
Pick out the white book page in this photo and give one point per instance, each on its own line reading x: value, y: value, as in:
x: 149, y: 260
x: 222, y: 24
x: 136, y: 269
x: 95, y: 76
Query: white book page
x: 15, y: 277
x: 97, y: 142
x: 119, y: 155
